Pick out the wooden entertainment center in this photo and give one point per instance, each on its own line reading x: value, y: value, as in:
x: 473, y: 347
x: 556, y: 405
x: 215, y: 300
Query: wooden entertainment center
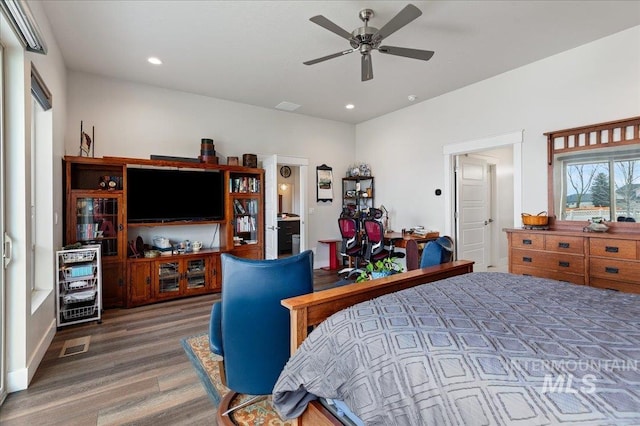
x: 95, y: 212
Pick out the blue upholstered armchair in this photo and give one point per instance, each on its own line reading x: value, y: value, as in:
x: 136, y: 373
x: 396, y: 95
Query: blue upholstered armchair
x: 249, y: 327
x: 437, y: 252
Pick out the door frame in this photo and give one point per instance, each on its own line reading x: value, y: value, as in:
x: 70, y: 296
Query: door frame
x: 3, y: 239
x: 450, y: 151
x: 301, y: 188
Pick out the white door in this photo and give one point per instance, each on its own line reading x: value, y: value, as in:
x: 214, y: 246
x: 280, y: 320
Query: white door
x: 4, y: 248
x: 472, y: 206
x: 270, y: 164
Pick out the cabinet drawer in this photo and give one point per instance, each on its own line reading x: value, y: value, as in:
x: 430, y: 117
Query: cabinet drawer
x: 545, y: 273
x: 528, y: 241
x: 620, y: 249
x: 549, y: 261
x: 614, y: 285
x: 616, y: 270
x: 564, y: 244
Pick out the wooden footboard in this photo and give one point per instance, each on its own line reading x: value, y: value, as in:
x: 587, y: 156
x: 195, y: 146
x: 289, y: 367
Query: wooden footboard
x: 311, y: 309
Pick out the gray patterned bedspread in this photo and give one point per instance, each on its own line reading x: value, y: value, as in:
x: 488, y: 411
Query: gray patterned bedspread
x: 481, y: 348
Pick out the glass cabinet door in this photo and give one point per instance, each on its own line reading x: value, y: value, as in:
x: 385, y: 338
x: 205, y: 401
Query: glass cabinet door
x: 97, y: 221
x: 168, y: 278
x: 196, y: 273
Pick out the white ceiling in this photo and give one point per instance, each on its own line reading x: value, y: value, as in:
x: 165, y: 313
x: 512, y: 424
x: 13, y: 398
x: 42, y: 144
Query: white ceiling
x: 252, y: 51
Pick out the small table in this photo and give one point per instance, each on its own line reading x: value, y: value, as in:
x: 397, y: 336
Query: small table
x: 333, y: 254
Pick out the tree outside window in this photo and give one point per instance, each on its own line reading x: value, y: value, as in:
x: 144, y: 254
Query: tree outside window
x: 608, y: 189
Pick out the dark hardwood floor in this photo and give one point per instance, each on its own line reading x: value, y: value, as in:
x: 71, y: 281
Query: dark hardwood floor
x: 135, y: 371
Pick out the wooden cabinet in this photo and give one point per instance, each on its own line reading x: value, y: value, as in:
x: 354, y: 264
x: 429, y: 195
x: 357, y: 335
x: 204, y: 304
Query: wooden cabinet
x: 114, y: 294
x: 358, y: 192
x: 245, y: 230
x: 597, y: 259
x: 139, y: 282
x: 286, y: 230
x: 614, y: 264
x: 170, y: 277
x: 94, y: 214
x: 550, y: 256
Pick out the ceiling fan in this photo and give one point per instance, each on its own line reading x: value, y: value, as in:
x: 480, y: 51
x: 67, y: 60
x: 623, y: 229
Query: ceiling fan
x: 366, y: 39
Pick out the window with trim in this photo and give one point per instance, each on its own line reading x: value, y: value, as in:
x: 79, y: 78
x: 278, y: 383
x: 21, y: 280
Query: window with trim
x: 597, y: 184
x: 40, y: 190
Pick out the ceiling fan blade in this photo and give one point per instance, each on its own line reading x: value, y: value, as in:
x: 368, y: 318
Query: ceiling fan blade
x: 367, y: 67
x: 406, y: 15
x: 424, y: 55
x: 327, y: 24
x: 324, y: 58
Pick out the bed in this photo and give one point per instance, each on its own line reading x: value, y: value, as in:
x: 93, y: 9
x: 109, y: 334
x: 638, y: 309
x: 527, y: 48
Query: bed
x: 472, y: 348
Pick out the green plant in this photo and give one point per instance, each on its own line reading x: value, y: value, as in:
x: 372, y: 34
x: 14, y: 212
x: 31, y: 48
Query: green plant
x: 386, y: 266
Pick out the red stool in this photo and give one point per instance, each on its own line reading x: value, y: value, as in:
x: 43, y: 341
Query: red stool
x: 333, y: 254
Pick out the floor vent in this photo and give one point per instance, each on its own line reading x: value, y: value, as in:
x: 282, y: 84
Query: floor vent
x: 75, y: 346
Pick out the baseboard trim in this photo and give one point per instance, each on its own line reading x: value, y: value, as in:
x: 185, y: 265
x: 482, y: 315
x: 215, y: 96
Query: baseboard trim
x: 19, y: 379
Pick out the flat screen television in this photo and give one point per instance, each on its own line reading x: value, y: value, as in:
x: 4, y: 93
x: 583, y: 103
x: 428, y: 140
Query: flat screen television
x: 170, y: 195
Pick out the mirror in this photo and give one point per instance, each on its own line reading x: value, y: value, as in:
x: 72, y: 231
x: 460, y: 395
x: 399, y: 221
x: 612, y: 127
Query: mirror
x: 594, y: 173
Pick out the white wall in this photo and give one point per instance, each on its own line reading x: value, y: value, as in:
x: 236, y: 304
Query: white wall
x: 593, y: 83
x: 30, y: 326
x: 134, y: 120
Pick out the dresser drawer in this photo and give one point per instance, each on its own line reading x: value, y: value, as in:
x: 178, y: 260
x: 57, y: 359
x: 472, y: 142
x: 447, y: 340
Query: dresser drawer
x: 564, y: 244
x: 613, y: 269
x: 528, y: 241
x: 545, y: 273
x: 614, y: 285
x: 620, y: 249
x: 562, y: 262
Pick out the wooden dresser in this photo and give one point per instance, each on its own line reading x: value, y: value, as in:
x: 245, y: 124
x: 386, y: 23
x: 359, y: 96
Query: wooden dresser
x: 606, y: 260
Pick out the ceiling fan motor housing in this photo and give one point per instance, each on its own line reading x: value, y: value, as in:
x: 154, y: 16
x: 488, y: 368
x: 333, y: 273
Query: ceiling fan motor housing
x: 363, y: 36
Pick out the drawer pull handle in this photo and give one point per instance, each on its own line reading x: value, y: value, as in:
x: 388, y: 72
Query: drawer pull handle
x: 610, y: 249
x: 611, y: 270
x: 527, y: 259
x: 563, y: 245
x: 526, y: 242
x: 563, y: 264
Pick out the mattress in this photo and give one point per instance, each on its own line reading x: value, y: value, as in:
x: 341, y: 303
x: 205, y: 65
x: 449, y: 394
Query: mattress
x: 481, y: 348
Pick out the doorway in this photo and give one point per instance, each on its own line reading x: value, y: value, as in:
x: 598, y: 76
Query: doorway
x: 485, y: 201
x: 285, y: 189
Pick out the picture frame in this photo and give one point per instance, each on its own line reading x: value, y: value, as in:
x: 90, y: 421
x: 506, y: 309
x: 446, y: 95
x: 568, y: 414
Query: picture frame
x: 324, y: 183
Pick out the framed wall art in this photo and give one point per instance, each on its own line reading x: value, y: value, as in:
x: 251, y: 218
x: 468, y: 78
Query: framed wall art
x: 324, y: 183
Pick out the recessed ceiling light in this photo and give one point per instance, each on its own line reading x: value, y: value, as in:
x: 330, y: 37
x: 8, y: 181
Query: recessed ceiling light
x: 349, y: 106
x: 155, y: 61
x: 412, y: 98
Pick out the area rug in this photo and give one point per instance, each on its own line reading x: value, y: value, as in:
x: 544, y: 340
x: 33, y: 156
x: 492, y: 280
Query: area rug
x: 206, y: 365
